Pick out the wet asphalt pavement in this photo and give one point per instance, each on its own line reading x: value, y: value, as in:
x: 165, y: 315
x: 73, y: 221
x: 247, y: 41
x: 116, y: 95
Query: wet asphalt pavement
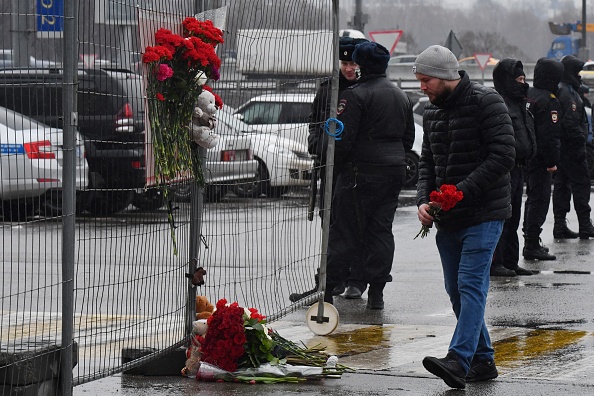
x: 542, y: 328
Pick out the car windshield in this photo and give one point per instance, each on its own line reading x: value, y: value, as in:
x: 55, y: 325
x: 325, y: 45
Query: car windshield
x: 227, y: 124
x: 17, y: 121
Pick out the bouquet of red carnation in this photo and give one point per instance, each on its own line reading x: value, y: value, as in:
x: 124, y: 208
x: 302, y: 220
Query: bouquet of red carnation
x: 236, y: 337
x: 443, y: 199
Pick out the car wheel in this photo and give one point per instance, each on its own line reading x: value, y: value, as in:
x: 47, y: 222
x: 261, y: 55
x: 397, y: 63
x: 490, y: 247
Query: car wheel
x: 255, y: 187
x: 214, y: 193
x: 107, y: 203
x: 412, y: 169
x: 17, y: 210
x: 151, y: 199
x: 590, y: 159
x: 181, y: 192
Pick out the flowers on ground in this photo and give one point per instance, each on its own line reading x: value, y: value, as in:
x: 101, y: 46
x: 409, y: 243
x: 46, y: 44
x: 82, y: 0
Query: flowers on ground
x: 238, y: 346
x: 442, y: 199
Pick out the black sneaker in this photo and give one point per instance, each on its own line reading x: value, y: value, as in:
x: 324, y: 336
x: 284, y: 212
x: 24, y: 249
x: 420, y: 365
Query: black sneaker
x: 482, y: 371
x: 448, y: 369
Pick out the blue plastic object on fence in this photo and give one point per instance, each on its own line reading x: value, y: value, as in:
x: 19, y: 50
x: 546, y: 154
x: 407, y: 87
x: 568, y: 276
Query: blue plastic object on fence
x: 339, y: 128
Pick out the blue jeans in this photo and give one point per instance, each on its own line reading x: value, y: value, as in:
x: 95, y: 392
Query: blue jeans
x: 466, y: 260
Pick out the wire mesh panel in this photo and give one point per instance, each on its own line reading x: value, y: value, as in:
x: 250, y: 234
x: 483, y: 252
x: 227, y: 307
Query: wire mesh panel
x: 135, y: 238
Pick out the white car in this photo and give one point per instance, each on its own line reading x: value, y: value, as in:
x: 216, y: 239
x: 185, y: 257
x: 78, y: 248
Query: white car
x: 31, y: 159
x: 285, y: 115
x: 6, y: 61
x: 282, y: 163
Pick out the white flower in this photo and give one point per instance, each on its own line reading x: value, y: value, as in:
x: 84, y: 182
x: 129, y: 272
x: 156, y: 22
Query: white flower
x: 331, y: 362
x: 266, y: 332
x: 201, y: 78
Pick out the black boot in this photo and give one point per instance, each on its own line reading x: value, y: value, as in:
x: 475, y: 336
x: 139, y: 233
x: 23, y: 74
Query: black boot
x: 294, y: 297
x: 375, y: 296
x: 586, y: 230
x: 534, y: 251
x: 499, y: 270
x: 520, y: 271
x: 561, y: 231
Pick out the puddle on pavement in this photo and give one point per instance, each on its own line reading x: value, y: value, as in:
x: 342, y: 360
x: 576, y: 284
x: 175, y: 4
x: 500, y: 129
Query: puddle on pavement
x: 356, y: 341
x: 515, y: 351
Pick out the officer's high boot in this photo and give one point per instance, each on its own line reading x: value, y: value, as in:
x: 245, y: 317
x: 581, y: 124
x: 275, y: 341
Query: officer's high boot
x: 586, y: 229
x: 561, y: 231
x: 534, y: 251
x: 375, y: 296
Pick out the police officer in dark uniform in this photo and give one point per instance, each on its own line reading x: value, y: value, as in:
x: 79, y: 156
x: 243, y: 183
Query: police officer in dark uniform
x: 317, y: 140
x: 510, y: 81
x: 369, y: 172
x: 546, y: 109
x: 572, y: 177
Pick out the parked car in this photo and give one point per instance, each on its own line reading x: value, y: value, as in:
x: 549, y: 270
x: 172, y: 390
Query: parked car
x: 283, y: 114
x: 402, y: 59
x: 7, y: 62
x: 282, y: 163
x: 31, y: 160
x: 229, y: 164
x: 110, y: 119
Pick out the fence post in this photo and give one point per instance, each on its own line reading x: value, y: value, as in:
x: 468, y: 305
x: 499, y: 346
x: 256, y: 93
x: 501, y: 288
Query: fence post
x: 69, y: 60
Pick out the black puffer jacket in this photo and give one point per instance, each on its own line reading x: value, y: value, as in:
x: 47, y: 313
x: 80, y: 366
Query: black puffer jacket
x: 317, y: 140
x: 574, y: 123
x: 469, y: 142
x: 378, y: 126
x: 514, y: 94
x: 545, y: 107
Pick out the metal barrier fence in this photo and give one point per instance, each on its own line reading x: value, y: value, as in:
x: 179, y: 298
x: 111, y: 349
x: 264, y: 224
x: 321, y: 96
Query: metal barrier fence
x: 89, y: 263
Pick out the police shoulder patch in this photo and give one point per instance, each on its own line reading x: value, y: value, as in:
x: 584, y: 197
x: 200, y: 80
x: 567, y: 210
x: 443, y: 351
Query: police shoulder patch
x: 554, y: 116
x: 341, y: 106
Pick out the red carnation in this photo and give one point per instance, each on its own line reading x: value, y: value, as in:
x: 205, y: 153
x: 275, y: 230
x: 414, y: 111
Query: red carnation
x: 442, y: 199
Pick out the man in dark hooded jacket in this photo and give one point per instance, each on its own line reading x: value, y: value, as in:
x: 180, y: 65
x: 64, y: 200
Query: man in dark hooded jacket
x: 510, y: 81
x: 370, y: 169
x: 572, y: 176
x: 545, y: 107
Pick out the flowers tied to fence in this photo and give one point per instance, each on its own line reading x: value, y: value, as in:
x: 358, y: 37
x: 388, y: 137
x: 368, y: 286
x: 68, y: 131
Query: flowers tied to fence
x: 177, y: 68
x: 442, y: 199
x: 238, y: 346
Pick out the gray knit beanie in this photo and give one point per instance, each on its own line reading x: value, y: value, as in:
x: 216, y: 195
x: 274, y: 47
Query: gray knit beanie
x: 437, y: 61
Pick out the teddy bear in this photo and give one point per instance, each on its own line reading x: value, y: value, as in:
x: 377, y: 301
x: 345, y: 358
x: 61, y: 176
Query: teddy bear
x: 204, y: 120
x: 204, y: 308
x: 193, y: 352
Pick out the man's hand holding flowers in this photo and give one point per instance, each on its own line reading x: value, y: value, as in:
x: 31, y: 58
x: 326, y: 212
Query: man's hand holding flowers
x: 442, y: 199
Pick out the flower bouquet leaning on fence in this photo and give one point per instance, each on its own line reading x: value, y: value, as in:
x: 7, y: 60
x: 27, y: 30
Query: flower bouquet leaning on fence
x: 177, y: 69
x: 442, y: 199
x: 234, y: 344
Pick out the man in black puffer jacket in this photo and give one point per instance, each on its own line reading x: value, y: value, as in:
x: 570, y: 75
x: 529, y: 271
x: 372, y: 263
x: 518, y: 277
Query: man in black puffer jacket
x: 510, y: 81
x: 572, y: 176
x: 369, y: 172
x: 545, y: 107
x: 468, y: 142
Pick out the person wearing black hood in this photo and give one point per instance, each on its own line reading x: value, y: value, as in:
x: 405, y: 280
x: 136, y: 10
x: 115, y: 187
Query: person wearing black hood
x: 510, y: 81
x: 546, y: 109
x: 572, y: 176
x: 317, y: 140
x: 369, y: 172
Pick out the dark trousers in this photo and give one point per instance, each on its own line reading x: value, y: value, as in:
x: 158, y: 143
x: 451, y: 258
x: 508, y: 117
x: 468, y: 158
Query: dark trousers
x: 538, y: 199
x: 572, y: 177
x: 507, y: 252
x: 361, y: 238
